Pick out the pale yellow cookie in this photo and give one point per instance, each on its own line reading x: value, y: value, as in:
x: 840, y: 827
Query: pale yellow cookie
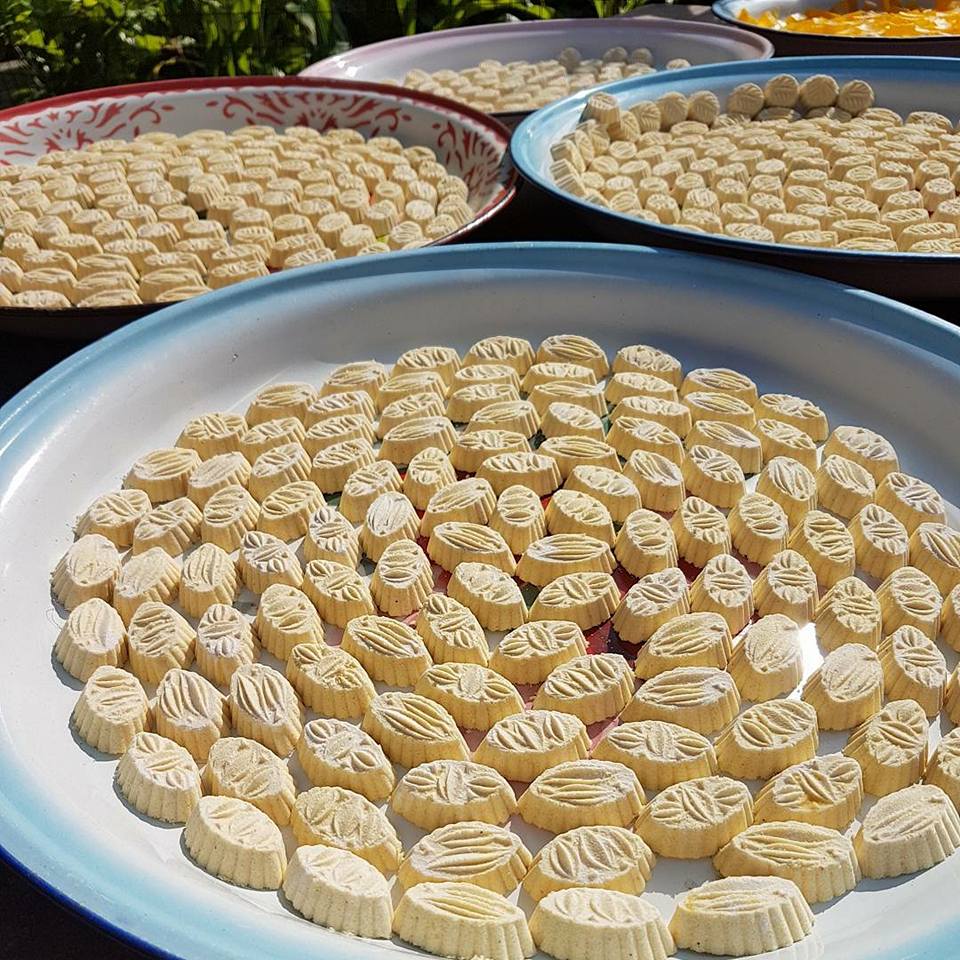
x: 334, y: 753
x: 695, y: 639
x: 872, y: 451
x: 339, y: 593
x: 365, y: 375
x: 826, y: 544
x: 247, y: 770
x: 332, y: 467
x: 564, y: 553
x: 412, y: 729
x: 758, y: 528
x: 264, y: 707
x: 767, y: 738
x: 908, y: 597
x: 713, y: 476
x: 111, y: 710
x: 913, y: 668
x: 741, y: 916
x: 659, y: 753
x: 490, y: 594
x: 208, y: 577
x: 335, y: 817
x: 730, y: 438
x: 451, y: 632
x: 225, y: 641
x: 647, y: 359
x: 158, y: 639
x: 704, y: 699
x: 768, y: 661
x: 191, y: 711
x: 402, y: 580
x: 571, y: 924
x: 651, y: 602
x: 573, y: 512
x: 573, y: 348
x: 265, y: 561
x: 880, y: 540
x: 843, y: 486
x: 569, y: 420
x: 779, y: 439
x: 455, y: 542
x: 849, y: 612
x: 213, y: 433
x: 819, y: 860
x: 911, y: 500
x: 475, y: 696
x: 890, y: 747
x: 646, y: 544
x: 935, y: 550
x: 286, y: 617
x: 337, y: 889
x: 90, y: 568
x: 280, y: 400
x: 613, y: 489
x: 228, y: 516
x: 329, y: 680
x: 826, y: 791
x: 323, y: 406
x: 695, y: 818
x: 787, y: 585
x: 162, y: 474
x: 236, y: 842
x: 471, y: 851
x: 943, y: 767
x: 389, y: 650
x: 159, y: 778
x: 92, y: 636
x: 220, y: 471
x: 330, y: 536
x: 517, y: 416
x: 444, y: 792
x: 462, y: 921
x: 114, y: 516
x: 471, y: 500
x: 846, y: 688
x: 428, y: 472
x: 724, y: 587
x: 530, y: 652
x: 700, y: 530
x: 524, y: 745
x: 590, y: 687
x: 270, y: 434
x: 586, y: 598
x: 910, y: 830
x: 791, y: 485
x: 444, y: 361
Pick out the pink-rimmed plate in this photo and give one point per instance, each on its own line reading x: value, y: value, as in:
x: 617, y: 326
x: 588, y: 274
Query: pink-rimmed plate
x: 470, y: 144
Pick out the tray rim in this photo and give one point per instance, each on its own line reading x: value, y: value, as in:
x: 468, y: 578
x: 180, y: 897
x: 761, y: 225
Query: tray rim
x: 883, y: 315
x: 521, y: 146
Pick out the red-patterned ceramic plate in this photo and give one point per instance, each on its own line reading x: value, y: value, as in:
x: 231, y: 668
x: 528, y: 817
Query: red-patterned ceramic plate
x: 470, y: 144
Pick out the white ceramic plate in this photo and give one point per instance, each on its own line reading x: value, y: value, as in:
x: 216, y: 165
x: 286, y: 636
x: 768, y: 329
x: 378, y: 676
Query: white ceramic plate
x: 73, y: 433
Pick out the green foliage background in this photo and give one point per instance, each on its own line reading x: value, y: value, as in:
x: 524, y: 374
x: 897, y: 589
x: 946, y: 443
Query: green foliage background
x: 64, y: 45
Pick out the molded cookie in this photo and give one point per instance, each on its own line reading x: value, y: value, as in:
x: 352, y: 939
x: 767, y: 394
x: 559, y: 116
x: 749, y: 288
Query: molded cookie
x: 863, y: 446
x: 158, y: 639
x: 590, y: 687
x: 209, y: 576
x: 563, y: 553
x: 787, y: 585
x: 513, y: 352
x: 265, y: 560
x: 404, y: 441
x: 702, y: 698
x: 613, y: 489
x: 162, y: 474
x: 334, y: 753
x: 159, y: 778
x: 236, y: 842
x: 826, y: 544
x: 492, y: 595
x: 598, y: 856
x: 90, y: 568
x: 849, y: 612
x: 741, y: 916
x: 172, y: 526
x: 220, y: 471
x: 767, y: 738
x: 472, y: 500
x: 471, y: 851
x: 530, y: 652
x: 713, y: 475
x: 213, y: 433
x: 651, y: 602
x: 570, y: 452
x: 264, y: 707
x: 758, y: 528
x: 843, y: 486
x: 768, y: 661
x: 791, y: 485
x: 429, y: 471
x: 365, y: 375
x: 324, y: 406
x: 412, y: 729
x: 846, y: 688
x: 445, y: 792
x: 391, y: 517
x: 269, y: 434
x: 646, y: 544
x: 659, y: 481
x: 891, y: 747
x: 736, y: 441
x: 628, y: 434
x: 569, y: 420
x: 689, y: 640
x: 567, y: 921
x: 695, y: 818
x: 191, y: 711
x: 114, y: 516
x: 659, y: 753
x: 330, y: 536
x: 111, y: 710
x: 444, y: 361
x: 935, y: 550
x: 519, y: 518
x: 524, y: 745
x: 337, y: 889
x: 286, y: 617
x: 796, y: 411
x: 826, y: 791
x: 455, y: 542
x: 582, y: 793
x: 778, y: 439
x: 719, y: 408
x: 339, y: 593
x: 910, y: 830
x: 92, y: 636
x: 475, y: 696
x: 911, y: 500
x: 700, y: 530
x: 280, y: 400
x: 576, y: 513
x: 585, y: 598
x: 943, y: 768
x: 237, y: 767
x: 724, y: 587
x: 284, y: 464
x: 332, y: 466
x: 820, y: 861
x: 950, y: 619
x: 667, y: 412
x: 389, y: 650
x: 909, y: 597
x: 880, y: 540
x: 228, y: 516
x: 334, y: 817
x: 364, y: 486
x: 451, y: 632
x: 517, y: 416
x: 913, y: 668
x: 402, y: 580
x: 462, y: 921
x: 464, y: 402
x: 225, y: 641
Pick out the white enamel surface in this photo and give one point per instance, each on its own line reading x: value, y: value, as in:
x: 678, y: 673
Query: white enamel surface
x: 58, y: 810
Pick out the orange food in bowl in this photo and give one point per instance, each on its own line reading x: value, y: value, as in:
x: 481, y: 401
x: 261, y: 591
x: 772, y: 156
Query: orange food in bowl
x: 876, y: 18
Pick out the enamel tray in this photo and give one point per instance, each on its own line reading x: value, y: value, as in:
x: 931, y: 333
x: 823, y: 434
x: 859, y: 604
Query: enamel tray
x: 72, y: 434
x: 390, y: 60
x: 901, y: 83
x: 469, y: 143
x: 789, y: 43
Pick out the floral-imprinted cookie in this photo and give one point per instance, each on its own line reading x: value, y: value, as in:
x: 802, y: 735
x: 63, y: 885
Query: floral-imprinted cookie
x: 334, y: 753
x: 524, y: 745
x: 704, y: 699
x: 412, y: 729
x: 826, y: 791
x: 159, y: 778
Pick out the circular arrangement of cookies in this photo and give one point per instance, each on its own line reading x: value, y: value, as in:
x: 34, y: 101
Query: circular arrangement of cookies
x: 163, y: 218
x: 495, y: 87
x: 557, y: 617
x: 811, y: 163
